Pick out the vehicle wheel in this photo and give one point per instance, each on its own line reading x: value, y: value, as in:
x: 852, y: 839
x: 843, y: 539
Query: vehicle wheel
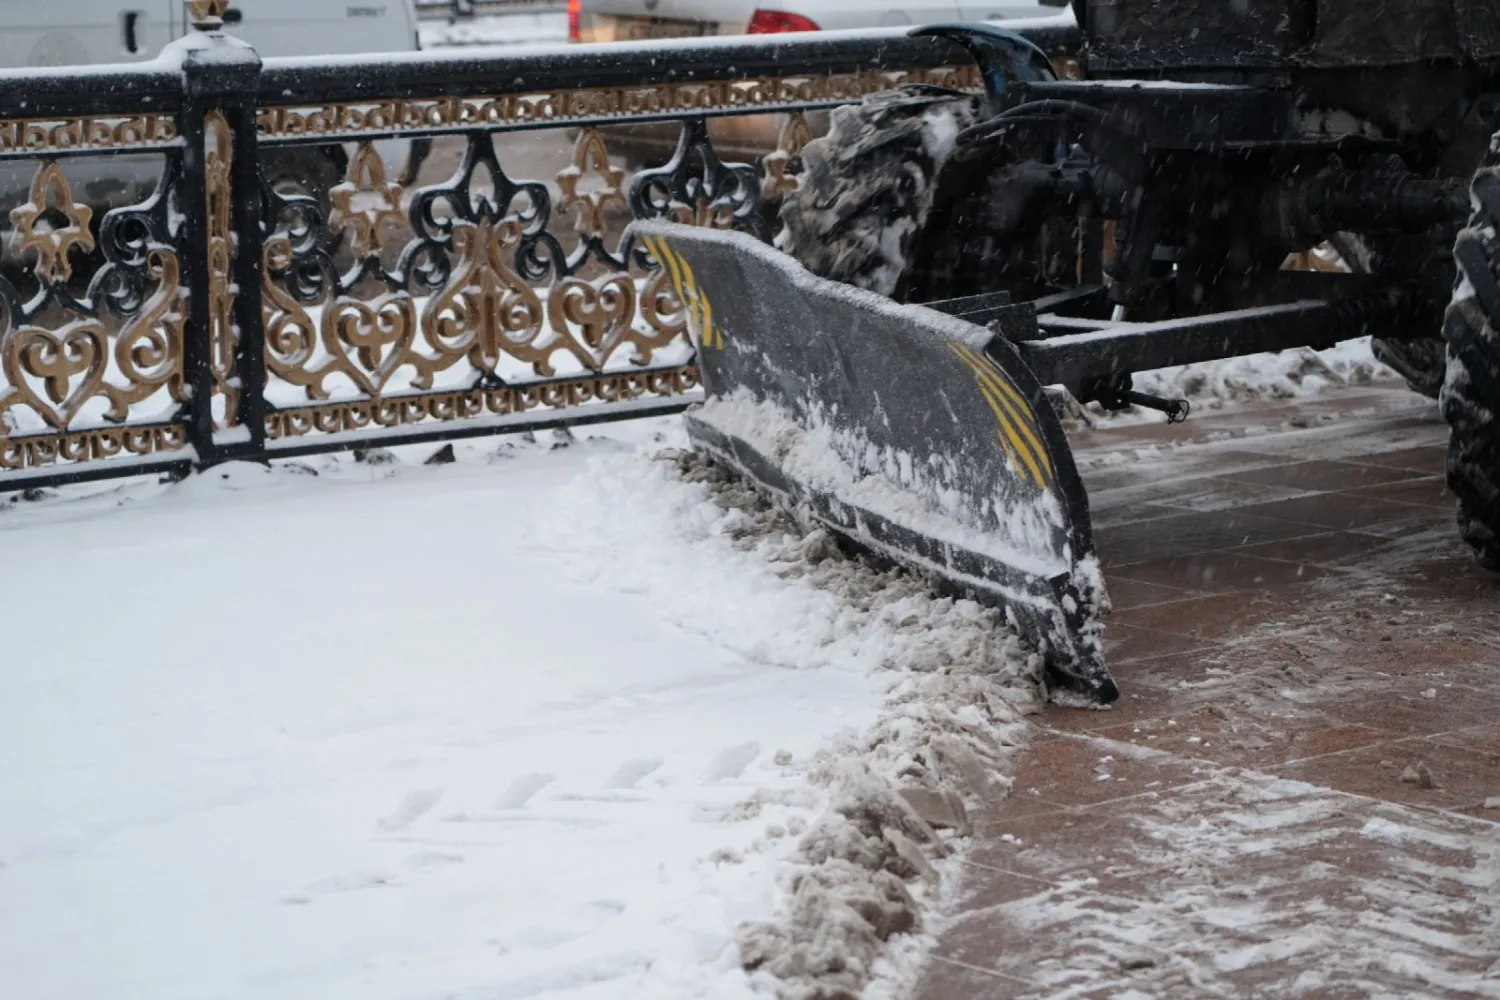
x: 1470, y: 397
x: 868, y: 186
x: 885, y: 203
x: 1421, y: 360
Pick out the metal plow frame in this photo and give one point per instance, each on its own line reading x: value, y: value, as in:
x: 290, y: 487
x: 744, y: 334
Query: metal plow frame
x: 883, y: 379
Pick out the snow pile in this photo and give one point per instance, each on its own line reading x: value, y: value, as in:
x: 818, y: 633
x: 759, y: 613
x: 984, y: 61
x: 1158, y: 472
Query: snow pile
x: 1283, y: 375
x: 893, y: 796
x: 1289, y: 374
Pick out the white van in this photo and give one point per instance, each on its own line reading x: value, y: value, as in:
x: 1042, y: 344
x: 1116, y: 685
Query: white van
x: 75, y: 32
x: 44, y: 33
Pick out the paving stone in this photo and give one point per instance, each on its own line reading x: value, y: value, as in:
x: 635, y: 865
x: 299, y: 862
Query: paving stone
x: 1237, y: 826
x: 1325, y: 476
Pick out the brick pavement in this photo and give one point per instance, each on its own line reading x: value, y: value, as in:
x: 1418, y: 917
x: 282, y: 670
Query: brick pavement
x: 1298, y: 792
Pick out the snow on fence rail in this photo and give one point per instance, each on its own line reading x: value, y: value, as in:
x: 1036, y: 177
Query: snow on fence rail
x: 215, y: 258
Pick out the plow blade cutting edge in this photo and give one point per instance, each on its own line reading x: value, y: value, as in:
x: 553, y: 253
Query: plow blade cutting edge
x: 916, y: 435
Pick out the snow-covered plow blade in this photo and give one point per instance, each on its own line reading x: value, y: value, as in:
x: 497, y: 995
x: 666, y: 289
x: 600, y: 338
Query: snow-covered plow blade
x: 917, y: 435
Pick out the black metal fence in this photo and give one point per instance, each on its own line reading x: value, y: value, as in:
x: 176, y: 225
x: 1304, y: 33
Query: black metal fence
x: 212, y: 257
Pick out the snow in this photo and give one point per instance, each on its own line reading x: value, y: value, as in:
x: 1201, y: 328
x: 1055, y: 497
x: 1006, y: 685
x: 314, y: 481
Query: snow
x: 1424, y: 911
x: 1211, y: 385
x: 575, y: 722
x: 816, y: 456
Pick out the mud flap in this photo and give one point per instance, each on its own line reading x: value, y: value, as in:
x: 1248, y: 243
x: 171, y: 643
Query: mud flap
x: 916, y: 435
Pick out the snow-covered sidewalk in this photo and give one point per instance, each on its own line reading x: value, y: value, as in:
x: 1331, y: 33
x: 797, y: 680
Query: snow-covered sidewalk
x: 484, y: 729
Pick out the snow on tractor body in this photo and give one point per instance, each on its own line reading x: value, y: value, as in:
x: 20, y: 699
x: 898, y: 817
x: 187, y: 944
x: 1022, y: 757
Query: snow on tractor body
x: 1073, y: 232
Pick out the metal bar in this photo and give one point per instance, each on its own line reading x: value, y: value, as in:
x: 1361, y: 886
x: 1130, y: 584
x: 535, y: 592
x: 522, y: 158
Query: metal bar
x: 390, y: 437
x: 463, y: 127
x: 92, y: 152
x: 1133, y: 347
x: 89, y: 472
x: 971, y: 305
x: 1079, y: 295
x: 1051, y: 323
x: 501, y: 71
x: 197, y: 412
x: 218, y: 88
x: 75, y: 91
x: 245, y: 223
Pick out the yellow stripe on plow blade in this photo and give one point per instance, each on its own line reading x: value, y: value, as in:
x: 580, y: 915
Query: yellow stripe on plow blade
x: 688, y: 293
x: 1017, y: 432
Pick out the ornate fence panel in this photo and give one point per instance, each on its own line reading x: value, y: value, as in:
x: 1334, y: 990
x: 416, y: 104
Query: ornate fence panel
x: 95, y: 363
x: 211, y: 257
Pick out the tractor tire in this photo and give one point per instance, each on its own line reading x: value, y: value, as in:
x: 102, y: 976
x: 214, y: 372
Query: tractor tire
x: 868, y: 185
x: 886, y: 203
x: 1421, y: 361
x: 1470, y: 398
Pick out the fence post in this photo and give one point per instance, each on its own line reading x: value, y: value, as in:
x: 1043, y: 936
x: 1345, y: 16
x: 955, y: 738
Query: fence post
x: 224, y: 349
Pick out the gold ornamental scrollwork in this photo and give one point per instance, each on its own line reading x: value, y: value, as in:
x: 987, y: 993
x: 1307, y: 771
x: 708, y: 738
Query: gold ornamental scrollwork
x: 397, y: 411
x: 148, y: 350
x: 568, y: 106
x: 779, y: 167
x: 36, y: 232
x: 598, y: 313
x: 207, y: 15
x: 55, y: 371
x: 70, y: 364
x: 487, y: 310
x: 366, y: 204
x: 218, y: 159
x: 591, y: 159
x: 34, y: 451
x: 365, y: 341
x: 53, y: 135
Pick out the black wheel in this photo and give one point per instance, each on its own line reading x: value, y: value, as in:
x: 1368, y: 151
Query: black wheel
x: 1471, y: 390
x: 886, y: 203
x: 868, y: 186
x: 1428, y: 260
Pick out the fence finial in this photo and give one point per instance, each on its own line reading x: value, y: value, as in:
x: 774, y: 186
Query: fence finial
x: 207, y: 15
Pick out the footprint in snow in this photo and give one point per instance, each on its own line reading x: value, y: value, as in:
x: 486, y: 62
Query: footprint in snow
x: 632, y: 771
x: 432, y: 859
x: 350, y: 883
x: 731, y: 762
x: 412, y: 808
x: 522, y: 789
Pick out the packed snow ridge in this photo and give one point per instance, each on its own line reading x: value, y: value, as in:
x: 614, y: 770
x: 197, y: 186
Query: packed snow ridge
x: 896, y: 796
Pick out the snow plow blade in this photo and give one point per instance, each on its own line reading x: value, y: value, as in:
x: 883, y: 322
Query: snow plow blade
x: 918, y: 436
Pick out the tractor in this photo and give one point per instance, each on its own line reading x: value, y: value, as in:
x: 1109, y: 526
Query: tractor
x: 949, y: 255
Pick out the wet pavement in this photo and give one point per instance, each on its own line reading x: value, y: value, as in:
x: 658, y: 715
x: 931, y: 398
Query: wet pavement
x: 1298, y: 792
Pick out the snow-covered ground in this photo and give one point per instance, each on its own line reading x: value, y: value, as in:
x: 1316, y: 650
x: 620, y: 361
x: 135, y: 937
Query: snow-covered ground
x: 544, y: 721
x: 561, y: 718
x: 1290, y: 374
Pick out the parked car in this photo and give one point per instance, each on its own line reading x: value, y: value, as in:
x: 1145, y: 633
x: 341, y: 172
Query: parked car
x: 51, y: 33
x: 749, y: 136
x: 633, y: 20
